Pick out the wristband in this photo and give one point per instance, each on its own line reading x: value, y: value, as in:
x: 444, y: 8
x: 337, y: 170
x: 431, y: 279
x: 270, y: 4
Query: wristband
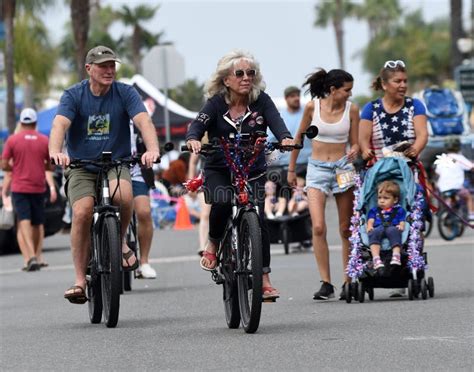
x: 291, y: 171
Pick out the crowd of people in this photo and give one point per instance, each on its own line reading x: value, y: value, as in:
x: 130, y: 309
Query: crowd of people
x: 236, y: 103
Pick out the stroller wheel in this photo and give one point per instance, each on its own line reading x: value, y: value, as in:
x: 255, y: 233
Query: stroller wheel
x: 347, y: 292
x: 361, y: 292
x: 411, y: 289
x: 424, y: 289
x: 354, y: 291
x: 370, y: 292
x: 431, y: 286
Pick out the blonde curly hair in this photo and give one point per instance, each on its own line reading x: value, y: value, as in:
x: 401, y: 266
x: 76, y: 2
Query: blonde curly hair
x: 225, y: 66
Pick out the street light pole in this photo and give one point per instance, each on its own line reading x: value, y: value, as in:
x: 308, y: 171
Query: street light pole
x: 165, y: 90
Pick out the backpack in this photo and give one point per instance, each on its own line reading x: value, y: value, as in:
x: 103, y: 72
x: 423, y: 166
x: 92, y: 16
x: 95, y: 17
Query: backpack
x: 444, y: 111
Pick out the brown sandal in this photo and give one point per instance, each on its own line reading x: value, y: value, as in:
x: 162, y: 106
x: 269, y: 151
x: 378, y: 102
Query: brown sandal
x: 129, y: 267
x: 78, y: 296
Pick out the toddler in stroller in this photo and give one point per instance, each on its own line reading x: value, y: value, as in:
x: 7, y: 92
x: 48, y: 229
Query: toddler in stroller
x: 386, y: 220
x: 406, y: 270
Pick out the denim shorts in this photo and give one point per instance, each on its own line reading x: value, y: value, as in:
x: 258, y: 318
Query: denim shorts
x: 321, y: 175
x: 140, y: 188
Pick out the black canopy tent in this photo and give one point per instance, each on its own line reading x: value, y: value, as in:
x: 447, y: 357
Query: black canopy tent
x: 154, y: 100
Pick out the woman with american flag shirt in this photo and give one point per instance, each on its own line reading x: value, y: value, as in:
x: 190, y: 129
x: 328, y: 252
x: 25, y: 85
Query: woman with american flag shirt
x: 394, y: 118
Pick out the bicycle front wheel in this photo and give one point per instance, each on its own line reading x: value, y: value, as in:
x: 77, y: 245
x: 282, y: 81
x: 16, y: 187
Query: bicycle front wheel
x: 249, y: 278
x: 111, y: 262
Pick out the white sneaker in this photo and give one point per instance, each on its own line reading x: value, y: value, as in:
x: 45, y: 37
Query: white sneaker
x: 147, y: 272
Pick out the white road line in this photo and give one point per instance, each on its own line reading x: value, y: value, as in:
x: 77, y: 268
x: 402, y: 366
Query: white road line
x: 275, y: 252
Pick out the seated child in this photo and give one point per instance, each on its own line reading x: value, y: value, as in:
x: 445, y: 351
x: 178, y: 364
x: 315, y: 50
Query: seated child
x: 450, y: 169
x: 386, y: 220
x: 298, y: 202
x: 274, y: 205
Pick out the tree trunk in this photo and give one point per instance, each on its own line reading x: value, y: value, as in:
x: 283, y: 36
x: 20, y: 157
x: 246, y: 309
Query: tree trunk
x: 8, y: 16
x: 339, y: 30
x: 456, y: 32
x: 136, y: 38
x: 80, y: 26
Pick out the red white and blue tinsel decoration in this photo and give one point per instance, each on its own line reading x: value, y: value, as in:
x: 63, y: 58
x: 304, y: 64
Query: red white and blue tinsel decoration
x: 239, y: 160
x: 415, y: 242
x: 355, y: 266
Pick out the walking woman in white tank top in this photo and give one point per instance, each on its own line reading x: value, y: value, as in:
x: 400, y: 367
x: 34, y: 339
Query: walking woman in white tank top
x: 334, y: 148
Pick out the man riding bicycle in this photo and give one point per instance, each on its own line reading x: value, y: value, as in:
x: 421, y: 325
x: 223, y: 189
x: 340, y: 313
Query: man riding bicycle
x: 94, y: 116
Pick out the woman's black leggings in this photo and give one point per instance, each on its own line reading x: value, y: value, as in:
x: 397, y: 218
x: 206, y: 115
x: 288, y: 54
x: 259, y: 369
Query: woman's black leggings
x: 218, y: 192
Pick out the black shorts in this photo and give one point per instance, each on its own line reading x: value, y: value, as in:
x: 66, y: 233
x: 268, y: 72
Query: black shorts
x: 29, y: 207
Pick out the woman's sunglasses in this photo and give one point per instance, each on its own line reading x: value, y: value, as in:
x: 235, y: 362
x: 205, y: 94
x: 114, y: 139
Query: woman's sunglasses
x: 241, y: 73
x: 394, y: 64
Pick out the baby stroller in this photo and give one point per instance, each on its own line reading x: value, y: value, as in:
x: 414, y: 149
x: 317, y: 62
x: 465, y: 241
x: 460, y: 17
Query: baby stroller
x: 411, y: 273
x: 290, y: 229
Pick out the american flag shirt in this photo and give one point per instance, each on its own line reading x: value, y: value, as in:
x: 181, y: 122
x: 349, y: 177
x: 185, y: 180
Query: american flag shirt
x: 390, y: 129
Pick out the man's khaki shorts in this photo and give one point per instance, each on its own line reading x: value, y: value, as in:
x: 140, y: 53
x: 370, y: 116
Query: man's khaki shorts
x: 81, y: 182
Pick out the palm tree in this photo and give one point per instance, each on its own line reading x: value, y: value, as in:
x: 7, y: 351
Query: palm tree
x: 33, y: 55
x: 8, y: 16
x: 141, y: 38
x: 80, y: 26
x: 335, y: 12
x: 456, y: 31
x: 379, y: 14
x: 8, y: 13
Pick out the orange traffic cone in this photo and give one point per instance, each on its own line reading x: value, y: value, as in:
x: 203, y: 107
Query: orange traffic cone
x: 183, y: 221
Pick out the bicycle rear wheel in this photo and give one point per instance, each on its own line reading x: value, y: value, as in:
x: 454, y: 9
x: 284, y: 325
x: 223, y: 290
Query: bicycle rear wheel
x: 249, y: 278
x: 111, y: 261
x: 449, y: 225
x: 230, y: 292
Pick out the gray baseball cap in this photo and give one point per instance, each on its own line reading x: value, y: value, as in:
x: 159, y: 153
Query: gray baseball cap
x: 101, y: 54
x: 291, y: 90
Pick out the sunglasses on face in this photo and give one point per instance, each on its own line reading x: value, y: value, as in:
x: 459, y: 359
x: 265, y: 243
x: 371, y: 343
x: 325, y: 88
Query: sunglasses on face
x: 241, y: 73
x: 394, y: 64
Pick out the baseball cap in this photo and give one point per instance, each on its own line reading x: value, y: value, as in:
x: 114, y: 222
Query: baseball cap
x: 290, y: 90
x: 28, y: 116
x: 101, y: 54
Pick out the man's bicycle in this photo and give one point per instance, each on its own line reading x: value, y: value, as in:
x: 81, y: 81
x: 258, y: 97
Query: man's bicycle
x: 239, y: 255
x: 451, y: 215
x: 104, y: 272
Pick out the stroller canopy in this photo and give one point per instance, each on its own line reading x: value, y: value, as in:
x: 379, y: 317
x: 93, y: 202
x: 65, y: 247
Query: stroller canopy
x: 393, y: 169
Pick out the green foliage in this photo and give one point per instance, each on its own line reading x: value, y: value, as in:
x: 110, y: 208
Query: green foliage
x: 423, y: 46
x: 190, y: 94
x: 327, y: 11
x: 34, y: 57
x: 379, y: 14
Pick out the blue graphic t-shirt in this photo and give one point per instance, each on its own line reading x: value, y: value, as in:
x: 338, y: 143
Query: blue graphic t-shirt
x: 99, y: 123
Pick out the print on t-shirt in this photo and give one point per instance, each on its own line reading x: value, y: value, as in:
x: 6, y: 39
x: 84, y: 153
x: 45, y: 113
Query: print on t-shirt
x: 98, y: 127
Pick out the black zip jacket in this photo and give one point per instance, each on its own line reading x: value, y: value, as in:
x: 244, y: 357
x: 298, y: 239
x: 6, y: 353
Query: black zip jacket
x: 214, y: 119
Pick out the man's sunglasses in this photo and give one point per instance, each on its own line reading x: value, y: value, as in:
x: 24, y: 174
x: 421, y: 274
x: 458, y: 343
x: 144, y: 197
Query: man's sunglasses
x: 241, y: 73
x: 394, y: 64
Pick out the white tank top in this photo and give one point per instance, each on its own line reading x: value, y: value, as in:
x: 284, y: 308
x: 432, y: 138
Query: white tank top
x: 332, y: 132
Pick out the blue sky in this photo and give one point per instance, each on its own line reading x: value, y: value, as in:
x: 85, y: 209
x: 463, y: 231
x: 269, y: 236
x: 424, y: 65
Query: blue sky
x: 280, y: 34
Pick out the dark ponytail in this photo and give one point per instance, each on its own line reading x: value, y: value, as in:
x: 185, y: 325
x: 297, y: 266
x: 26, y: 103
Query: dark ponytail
x: 320, y: 83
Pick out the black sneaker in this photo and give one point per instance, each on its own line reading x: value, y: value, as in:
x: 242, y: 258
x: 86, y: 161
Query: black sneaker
x: 325, y: 292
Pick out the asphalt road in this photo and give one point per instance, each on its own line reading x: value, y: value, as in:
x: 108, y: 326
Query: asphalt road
x: 176, y: 322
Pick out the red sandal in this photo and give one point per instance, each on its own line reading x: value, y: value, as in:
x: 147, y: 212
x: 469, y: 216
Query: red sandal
x: 210, y: 257
x: 270, y: 293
